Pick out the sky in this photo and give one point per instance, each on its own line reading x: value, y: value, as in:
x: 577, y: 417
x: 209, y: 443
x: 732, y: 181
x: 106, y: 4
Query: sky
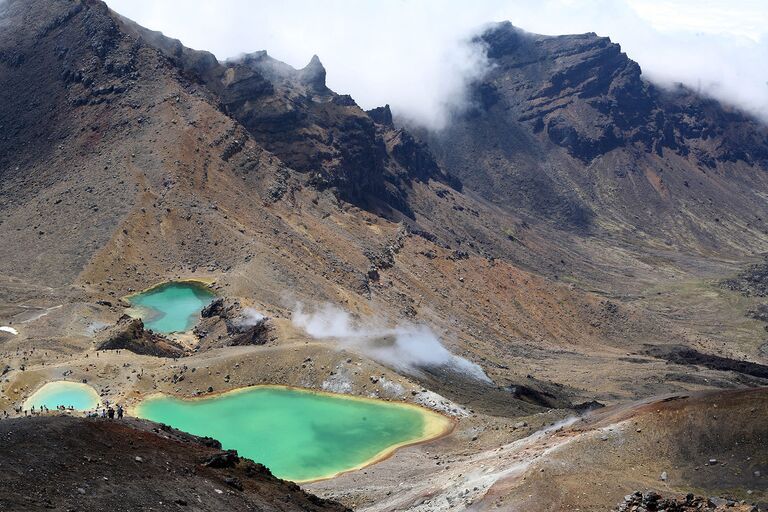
x: 416, y: 55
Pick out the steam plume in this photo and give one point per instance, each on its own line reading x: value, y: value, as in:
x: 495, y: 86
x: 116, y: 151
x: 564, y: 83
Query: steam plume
x: 248, y: 318
x: 405, y: 347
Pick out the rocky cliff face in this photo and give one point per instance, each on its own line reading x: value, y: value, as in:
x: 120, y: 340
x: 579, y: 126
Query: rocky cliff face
x: 293, y: 114
x: 567, y: 128
x: 584, y: 94
x: 326, y: 135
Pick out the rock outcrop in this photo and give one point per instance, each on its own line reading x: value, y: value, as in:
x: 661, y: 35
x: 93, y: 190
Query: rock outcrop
x: 227, y: 323
x: 129, y: 334
x: 651, y: 501
x: 752, y: 282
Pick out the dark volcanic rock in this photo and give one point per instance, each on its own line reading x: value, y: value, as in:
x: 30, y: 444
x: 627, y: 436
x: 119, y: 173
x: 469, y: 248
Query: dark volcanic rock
x: 224, y: 459
x: 680, y: 354
x: 129, y: 334
x: 588, y: 406
x: 753, y: 282
x: 248, y: 333
x: 226, y: 323
x: 90, y: 464
x: 652, y: 501
x: 381, y: 115
x: 215, y: 308
x: 760, y: 312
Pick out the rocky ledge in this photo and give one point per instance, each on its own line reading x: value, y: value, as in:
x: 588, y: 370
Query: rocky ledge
x: 651, y: 501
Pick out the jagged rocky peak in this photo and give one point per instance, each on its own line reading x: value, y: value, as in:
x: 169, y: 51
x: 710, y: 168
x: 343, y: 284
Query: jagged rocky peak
x: 381, y: 115
x: 502, y: 38
x: 583, y: 93
x: 262, y: 62
x: 313, y: 74
x: 506, y: 43
x: 545, y: 79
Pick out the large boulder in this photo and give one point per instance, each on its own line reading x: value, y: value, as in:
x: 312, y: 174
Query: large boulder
x: 129, y: 334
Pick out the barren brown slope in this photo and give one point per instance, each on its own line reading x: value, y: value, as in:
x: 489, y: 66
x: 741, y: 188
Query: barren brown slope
x: 711, y: 444
x: 65, y: 463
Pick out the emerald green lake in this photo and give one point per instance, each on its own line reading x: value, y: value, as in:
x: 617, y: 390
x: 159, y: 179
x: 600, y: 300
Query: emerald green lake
x: 299, y: 435
x: 171, y: 307
x: 81, y: 397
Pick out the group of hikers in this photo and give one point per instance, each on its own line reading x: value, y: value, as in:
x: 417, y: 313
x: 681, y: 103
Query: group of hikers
x: 100, y: 412
x: 37, y: 411
x: 106, y: 412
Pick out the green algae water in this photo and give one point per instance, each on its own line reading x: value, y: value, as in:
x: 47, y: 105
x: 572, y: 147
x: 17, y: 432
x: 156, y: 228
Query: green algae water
x: 171, y: 307
x: 81, y: 397
x: 299, y: 435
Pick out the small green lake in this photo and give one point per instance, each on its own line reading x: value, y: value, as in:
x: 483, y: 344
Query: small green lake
x: 298, y: 434
x: 171, y: 307
x: 81, y: 397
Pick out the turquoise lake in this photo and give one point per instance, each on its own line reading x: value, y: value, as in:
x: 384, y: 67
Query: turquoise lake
x: 299, y: 435
x: 172, y: 307
x: 79, y: 396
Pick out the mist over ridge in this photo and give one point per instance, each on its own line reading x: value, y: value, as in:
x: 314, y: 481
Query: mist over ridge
x: 418, y: 56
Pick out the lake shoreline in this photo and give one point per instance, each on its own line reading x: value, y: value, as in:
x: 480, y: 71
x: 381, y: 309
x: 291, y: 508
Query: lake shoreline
x: 436, y: 424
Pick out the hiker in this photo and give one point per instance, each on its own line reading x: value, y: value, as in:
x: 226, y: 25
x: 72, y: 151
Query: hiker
x: 111, y: 413
x: 119, y: 412
x: 104, y: 413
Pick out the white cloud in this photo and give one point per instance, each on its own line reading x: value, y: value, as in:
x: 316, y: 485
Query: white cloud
x: 746, y: 18
x: 413, y: 53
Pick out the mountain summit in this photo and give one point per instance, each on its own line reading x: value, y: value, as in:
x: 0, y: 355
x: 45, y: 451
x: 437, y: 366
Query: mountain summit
x: 567, y: 128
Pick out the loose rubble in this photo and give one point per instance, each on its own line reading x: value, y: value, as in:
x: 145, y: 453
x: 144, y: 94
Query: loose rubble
x: 652, y: 501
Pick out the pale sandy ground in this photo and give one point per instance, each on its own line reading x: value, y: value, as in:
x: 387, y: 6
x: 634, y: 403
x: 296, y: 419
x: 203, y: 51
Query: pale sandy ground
x: 124, y: 378
x: 487, y: 460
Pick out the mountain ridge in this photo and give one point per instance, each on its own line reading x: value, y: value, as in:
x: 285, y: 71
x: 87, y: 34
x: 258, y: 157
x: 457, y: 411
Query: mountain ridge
x: 566, y: 128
